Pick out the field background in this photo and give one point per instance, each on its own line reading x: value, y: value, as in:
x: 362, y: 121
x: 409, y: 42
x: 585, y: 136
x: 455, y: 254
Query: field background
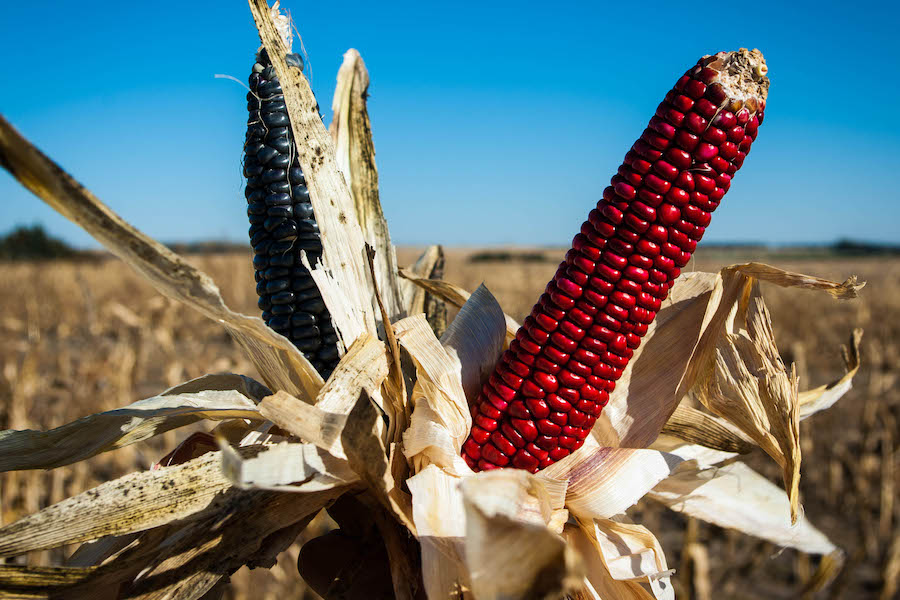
x: 86, y: 336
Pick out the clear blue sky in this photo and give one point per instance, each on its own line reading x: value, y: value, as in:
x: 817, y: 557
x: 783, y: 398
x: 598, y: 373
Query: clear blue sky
x: 494, y: 122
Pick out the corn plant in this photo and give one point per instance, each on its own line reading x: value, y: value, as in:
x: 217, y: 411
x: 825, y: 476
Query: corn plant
x: 381, y: 444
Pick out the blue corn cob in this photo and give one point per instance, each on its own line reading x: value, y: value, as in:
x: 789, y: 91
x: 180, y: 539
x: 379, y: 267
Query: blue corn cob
x: 282, y: 223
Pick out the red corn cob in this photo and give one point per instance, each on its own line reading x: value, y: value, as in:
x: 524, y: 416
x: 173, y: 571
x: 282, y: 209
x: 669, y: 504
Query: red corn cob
x: 549, y: 387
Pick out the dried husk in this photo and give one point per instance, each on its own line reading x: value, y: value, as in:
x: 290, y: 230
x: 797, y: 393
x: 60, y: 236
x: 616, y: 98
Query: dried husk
x: 351, y: 132
x: 510, y: 550
x: 734, y: 496
x: 343, y: 278
x: 213, y: 397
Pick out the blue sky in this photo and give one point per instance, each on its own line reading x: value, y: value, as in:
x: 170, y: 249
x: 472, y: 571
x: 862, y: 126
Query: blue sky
x: 495, y: 123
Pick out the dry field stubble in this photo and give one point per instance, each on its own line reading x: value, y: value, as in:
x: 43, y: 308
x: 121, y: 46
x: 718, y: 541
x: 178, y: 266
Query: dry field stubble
x: 78, y: 338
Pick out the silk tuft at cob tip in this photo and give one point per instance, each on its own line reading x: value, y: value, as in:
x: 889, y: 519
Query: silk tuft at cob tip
x: 549, y: 387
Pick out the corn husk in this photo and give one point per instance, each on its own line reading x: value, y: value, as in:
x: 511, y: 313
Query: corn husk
x: 213, y: 397
x: 388, y: 425
x: 354, y: 151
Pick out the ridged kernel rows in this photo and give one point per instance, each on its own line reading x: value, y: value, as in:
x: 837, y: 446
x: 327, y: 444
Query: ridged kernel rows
x: 282, y: 223
x: 548, y: 389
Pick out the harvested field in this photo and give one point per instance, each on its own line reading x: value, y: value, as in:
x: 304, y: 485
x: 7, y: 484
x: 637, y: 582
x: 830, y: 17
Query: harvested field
x: 81, y: 337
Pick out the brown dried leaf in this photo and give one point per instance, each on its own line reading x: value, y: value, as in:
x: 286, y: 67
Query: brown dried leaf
x: 197, y: 557
x: 362, y: 439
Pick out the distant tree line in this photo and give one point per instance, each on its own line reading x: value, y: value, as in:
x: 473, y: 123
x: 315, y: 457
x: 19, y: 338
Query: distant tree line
x: 30, y: 243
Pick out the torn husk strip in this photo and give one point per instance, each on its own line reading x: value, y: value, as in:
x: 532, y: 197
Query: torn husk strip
x: 139, y: 421
x: 748, y: 384
x: 396, y: 407
x: 842, y: 291
x: 343, y: 279
x: 453, y: 294
x: 281, y: 365
x: 440, y: 420
x: 736, y: 497
x: 354, y: 151
x: 823, y: 397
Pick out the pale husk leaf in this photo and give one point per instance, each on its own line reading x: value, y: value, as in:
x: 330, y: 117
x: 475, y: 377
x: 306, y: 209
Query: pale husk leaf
x: 701, y: 455
x: 102, y: 432
x: 603, y: 482
x: 476, y: 338
x: 440, y: 420
x: 286, y: 467
x: 354, y: 150
x: 364, y: 367
x: 281, y: 365
x: 440, y: 521
x: 309, y: 423
x: 343, y: 278
x: 662, y: 369
x: 735, y: 496
x: 510, y: 550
